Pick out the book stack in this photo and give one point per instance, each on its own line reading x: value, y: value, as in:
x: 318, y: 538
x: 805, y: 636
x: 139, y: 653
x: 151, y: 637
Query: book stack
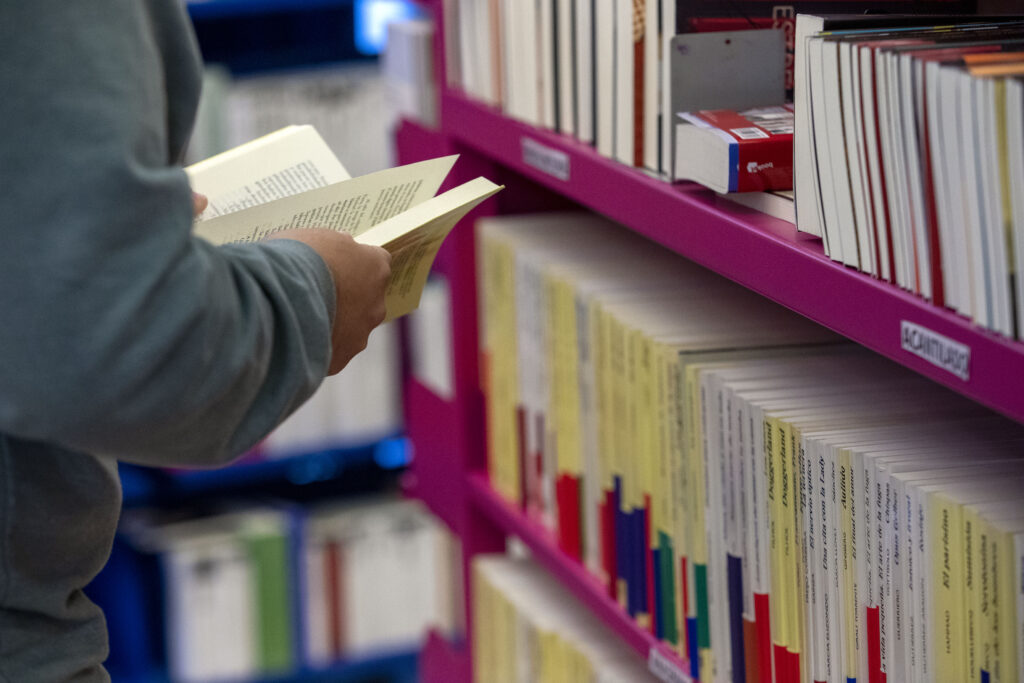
x: 610, y: 74
x: 525, y: 628
x: 773, y: 504
x: 268, y: 591
x: 910, y: 160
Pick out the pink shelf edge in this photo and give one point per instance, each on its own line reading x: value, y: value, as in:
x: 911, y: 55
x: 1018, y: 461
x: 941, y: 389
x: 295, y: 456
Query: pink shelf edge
x: 764, y: 254
x: 442, y: 662
x: 569, y: 572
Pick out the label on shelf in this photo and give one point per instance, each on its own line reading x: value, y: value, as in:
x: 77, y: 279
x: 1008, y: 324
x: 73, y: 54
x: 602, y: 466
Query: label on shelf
x: 546, y: 159
x: 664, y: 668
x: 937, y: 349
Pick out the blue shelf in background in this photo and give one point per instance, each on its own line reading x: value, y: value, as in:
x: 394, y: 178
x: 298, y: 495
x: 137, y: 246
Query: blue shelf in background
x: 219, y: 9
x: 394, y: 667
x: 143, y: 486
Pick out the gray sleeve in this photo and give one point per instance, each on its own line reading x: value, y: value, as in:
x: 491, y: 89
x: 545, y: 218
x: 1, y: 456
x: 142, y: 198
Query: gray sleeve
x: 120, y: 332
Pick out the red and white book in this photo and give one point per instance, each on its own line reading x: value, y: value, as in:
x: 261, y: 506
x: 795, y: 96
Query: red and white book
x: 730, y: 151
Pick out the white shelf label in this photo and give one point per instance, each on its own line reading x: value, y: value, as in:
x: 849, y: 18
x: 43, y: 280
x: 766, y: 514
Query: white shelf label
x: 937, y: 349
x: 546, y: 159
x: 664, y: 668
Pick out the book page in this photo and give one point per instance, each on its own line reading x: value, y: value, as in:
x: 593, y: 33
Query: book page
x: 414, y: 237
x: 286, y: 162
x: 351, y: 206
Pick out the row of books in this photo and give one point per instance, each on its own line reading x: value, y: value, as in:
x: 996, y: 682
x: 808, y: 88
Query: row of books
x: 774, y: 503
x: 268, y: 590
x: 525, y: 628
x: 916, y: 171
x: 615, y: 74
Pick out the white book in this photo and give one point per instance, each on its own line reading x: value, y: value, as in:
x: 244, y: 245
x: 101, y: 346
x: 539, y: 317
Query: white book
x: 949, y: 231
x: 605, y: 52
x: 624, y: 82
x: 822, y: 140
x: 995, y: 222
x: 838, y: 158
x: 545, y: 32
x: 853, y: 126
x: 911, y: 92
x: 968, y: 136
x: 1015, y: 145
x: 953, y: 160
x: 650, y: 87
x: 879, y: 207
x: 890, y: 91
x: 583, y: 43
x: 666, y: 117
x: 565, y: 61
x: 318, y: 647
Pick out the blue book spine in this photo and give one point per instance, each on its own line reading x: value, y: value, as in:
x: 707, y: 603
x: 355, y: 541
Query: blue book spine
x: 739, y: 662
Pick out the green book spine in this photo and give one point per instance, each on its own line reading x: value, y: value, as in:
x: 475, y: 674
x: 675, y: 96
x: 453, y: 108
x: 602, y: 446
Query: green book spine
x: 273, y: 627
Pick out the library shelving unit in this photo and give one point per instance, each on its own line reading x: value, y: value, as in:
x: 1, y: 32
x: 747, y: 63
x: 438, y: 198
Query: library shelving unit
x: 759, y: 252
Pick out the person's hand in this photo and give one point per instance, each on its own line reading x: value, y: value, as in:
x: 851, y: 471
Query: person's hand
x: 199, y: 202
x: 360, y: 274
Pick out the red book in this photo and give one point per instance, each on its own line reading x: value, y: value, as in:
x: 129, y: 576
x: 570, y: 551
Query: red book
x: 731, y: 151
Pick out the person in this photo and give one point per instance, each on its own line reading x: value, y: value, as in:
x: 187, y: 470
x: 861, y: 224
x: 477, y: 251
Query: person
x: 123, y: 336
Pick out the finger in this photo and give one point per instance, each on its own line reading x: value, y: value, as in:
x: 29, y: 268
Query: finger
x: 199, y: 203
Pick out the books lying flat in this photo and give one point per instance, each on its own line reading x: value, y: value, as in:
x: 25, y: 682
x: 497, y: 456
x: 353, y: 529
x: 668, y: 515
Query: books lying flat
x: 732, y: 151
x: 291, y: 179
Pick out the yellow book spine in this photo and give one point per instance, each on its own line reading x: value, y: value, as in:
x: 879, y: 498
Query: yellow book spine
x: 1005, y: 187
x: 677, y: 473
x: 798, y: 642
x: 971, y: 594
x: 1004, y: 601
x: 947, y: 588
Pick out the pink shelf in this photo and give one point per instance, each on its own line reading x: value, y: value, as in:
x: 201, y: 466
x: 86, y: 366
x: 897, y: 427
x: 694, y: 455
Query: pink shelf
x: 762, y: 253
x: 442, y: 662
x: 567, y: 570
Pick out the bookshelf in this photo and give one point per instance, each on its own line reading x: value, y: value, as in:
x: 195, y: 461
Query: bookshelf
x: 764, y: 254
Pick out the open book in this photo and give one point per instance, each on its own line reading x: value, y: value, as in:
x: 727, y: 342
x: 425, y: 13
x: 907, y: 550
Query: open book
x: 291, y: 179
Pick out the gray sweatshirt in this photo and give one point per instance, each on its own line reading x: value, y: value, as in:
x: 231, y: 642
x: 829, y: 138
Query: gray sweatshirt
x: 121, y: 335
